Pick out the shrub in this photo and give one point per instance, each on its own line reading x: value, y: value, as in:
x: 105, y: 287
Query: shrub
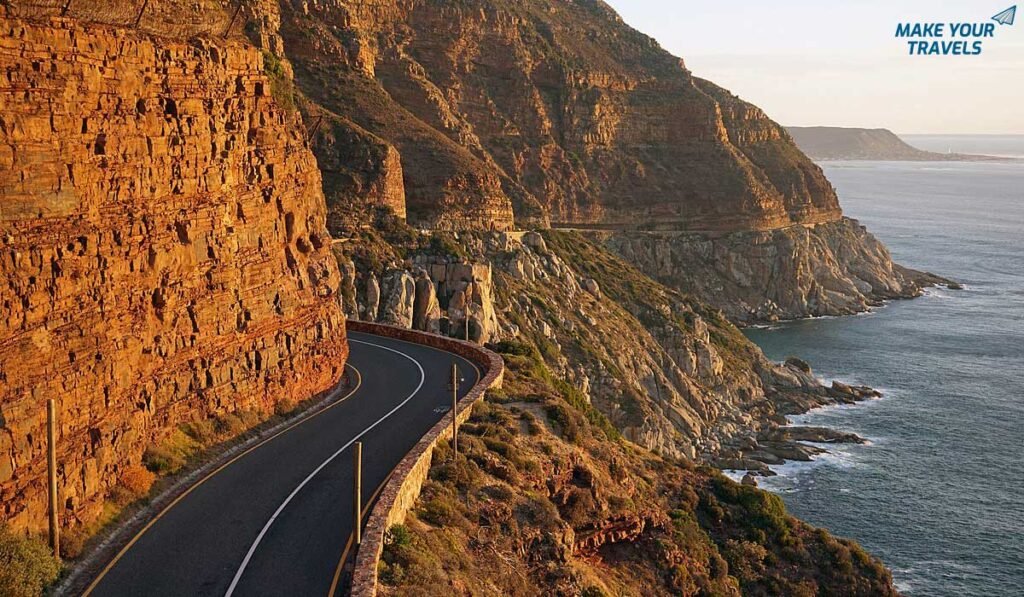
x: 26, y: 565
x: 170, y: 455
x: 398, y: 536
x: 519, y: 349
x: 579, y: 507
x: 137, y: 480
x: 390, y: 574
x: 560, y: 415
x: 202, y: 431
x: 538, y: 511
x: 438, y: 512
x: 285, y: 407
x: 229, y: 425
x: 281, y: 87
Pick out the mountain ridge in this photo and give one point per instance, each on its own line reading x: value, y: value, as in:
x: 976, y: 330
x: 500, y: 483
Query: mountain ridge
x: 852, y: 143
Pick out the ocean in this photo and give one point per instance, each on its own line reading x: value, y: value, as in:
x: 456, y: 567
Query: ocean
x: 938, y: 493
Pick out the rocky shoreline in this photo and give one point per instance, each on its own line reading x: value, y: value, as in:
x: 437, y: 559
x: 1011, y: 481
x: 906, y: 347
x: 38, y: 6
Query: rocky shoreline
x: 781, y: 441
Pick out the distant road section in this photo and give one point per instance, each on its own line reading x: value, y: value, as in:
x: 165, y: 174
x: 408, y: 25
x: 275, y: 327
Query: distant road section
x: 277, y: 520
x: 838, y: 143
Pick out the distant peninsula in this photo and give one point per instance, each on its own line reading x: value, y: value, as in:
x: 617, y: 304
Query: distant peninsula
x: 839, y: 143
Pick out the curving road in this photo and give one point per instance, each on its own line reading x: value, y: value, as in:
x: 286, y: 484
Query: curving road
x: 278, y: 519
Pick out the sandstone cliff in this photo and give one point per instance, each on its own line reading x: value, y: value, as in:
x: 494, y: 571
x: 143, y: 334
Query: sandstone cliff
x: 557, y: 110
x: 164, y: 251
x: 493, y: 115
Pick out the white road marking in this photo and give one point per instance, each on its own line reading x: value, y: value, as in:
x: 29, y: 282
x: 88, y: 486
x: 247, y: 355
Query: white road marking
x: 280, y: 509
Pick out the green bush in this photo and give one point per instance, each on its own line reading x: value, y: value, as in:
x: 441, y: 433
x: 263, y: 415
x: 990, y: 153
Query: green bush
x: 281, y: 86
x: 285, y: 407
x: 170, y: 455
x: 398, y: 536
x: 519, y: 349
x: 26, y: 565
x: 438, y: 512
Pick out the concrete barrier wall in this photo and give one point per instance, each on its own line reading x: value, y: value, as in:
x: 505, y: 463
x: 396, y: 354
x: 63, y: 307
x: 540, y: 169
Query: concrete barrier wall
x: 400, y: 493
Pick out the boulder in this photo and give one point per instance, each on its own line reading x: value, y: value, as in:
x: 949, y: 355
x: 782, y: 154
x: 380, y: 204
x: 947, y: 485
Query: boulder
x: 399, y: 290
x: 536, y: 242
x: 426, y: 310
x: 372, y: 299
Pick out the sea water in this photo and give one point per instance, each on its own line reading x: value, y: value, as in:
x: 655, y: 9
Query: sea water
x: 938, y: 492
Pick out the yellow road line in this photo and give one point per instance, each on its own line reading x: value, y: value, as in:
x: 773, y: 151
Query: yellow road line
x: 352, y: 535
x: 96, y: 581
x: 92, y: 586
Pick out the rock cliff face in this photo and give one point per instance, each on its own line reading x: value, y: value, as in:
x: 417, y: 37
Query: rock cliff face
x: 548, y: 111
x: 836, y: 268
x: 494, y: 114
x: 164, y: 251
x: 666, y: 371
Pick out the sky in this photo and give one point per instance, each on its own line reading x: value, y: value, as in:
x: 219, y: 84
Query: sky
x: 838, y: 62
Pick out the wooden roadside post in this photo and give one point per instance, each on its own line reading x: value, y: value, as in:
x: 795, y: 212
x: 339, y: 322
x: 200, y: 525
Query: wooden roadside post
x: 358, y: 456
x: 454, y: 384
x: 51, y: 471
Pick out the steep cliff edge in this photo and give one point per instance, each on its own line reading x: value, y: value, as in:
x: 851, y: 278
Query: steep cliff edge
x: 496, y: 115
x: 836, y: 268
x: 662, y: 369
x: 164, y: 257
x: 557, y: 109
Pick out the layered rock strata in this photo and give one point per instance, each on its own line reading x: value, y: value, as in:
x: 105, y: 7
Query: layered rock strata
x: 164, y: 252
x: 835, y: 268
x: 548, y: 111
x: 498, y: 115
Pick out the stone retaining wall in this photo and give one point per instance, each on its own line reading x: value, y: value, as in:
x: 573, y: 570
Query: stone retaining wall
x: 401, y: 491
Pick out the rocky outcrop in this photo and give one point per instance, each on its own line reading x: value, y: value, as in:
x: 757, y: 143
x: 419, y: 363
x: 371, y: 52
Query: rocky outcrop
x: 164, y: 251
x: 837, y: 268
x: 432, y: 293
x: 400, y: 292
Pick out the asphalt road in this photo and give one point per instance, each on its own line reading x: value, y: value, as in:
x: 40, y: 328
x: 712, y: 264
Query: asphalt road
x: 277, y: 520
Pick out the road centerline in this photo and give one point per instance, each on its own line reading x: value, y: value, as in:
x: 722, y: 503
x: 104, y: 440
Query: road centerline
x: 298, y: 488
x: 188, y: 491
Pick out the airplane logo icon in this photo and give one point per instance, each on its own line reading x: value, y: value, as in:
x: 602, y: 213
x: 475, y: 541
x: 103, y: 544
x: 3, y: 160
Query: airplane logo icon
x: 1006, y: 17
